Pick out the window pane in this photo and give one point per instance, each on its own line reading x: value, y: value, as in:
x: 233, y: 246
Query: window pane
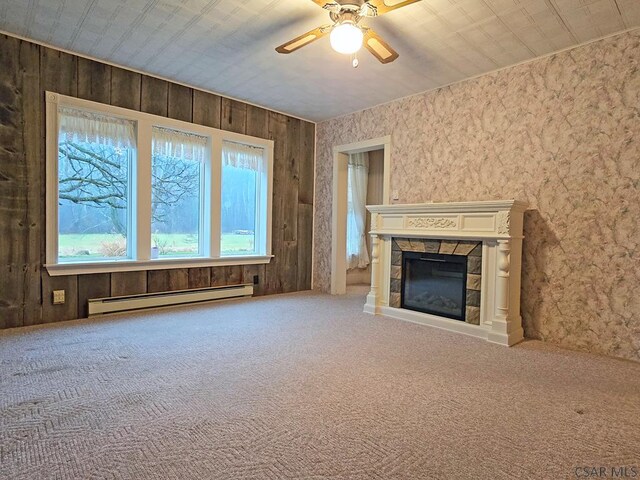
x: 93, y: 191
x: 239, y: 187
x: 241, y: 177
x: 176, y: 195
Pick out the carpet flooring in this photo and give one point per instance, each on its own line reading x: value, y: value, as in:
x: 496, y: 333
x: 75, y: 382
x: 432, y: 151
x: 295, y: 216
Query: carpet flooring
x: 304, y: 386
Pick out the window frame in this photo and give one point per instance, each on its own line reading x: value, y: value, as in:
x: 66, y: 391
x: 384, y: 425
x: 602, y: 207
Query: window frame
x: 140, y: 201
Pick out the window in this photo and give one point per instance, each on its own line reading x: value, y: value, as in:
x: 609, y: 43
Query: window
x: 176, y: 193
x: 128, y: 190
x: 241, y: 167
x: 95, y: 155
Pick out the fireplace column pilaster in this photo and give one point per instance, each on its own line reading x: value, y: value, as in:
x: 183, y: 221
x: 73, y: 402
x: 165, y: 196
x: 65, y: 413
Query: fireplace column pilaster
x: 372, y: 298
x: 502, y: 325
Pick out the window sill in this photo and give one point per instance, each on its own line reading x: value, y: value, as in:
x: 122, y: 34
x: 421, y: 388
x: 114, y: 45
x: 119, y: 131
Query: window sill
x: 60, y: 269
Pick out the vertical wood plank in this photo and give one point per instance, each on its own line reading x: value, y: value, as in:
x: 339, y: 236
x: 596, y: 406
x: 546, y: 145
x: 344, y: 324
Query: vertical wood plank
x: 33, y: 301
x: 218, y: 276
x: 32, y: 107
x: 180, y: 102
x: 97, y: 285
x: 248, y: 271
x: 277, y: 125
x: 206, y: 109
x: 11, y: 296
x: 58, y: 72
x: 234, y: 116
x: 257, y: 122
x: 13, y: 193
x: 306, y: 164
x: 199, y: 277
x: 128, y: 283
x: 126, y: 87
x: 179, y: 279
x: 167, y: 280
x: 94, y: 81
x: 233, y: 275
x: 66, y: 311
x: 290, y: 190
x: 157, y: 281
x: 228, y: 275
x: 154, y: 96
x: 304, y: 243
x: 289, y: 270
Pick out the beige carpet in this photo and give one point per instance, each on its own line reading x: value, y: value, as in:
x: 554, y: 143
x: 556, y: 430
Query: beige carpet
x: 303, y: 386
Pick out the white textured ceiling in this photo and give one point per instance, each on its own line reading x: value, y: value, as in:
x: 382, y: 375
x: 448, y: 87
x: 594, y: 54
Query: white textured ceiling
x: 227, y: 46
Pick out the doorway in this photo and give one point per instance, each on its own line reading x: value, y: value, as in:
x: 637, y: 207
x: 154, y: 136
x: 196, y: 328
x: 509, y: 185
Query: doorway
x: 381, y: 148
x: 371, y: 175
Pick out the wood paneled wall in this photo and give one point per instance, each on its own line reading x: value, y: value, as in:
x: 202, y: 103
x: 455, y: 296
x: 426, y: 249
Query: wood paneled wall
x: 28, y: 70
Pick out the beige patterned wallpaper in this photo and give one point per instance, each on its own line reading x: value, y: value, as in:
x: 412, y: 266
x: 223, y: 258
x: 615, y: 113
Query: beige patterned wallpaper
x: 563, y: 133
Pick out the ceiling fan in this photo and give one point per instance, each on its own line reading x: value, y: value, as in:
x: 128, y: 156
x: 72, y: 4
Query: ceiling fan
x: 346, y: 35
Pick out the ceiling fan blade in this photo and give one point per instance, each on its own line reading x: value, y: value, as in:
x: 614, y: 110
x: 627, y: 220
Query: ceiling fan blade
x: 304, y: 39
x: 334, y: 7
x: 375, y: 8
x: 378, y: 47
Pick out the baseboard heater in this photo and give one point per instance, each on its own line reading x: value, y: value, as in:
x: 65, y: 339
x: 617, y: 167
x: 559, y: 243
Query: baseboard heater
x: 99, y: 306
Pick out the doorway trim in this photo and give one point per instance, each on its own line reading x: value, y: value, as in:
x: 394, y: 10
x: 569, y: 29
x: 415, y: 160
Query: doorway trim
x: 339, y: 203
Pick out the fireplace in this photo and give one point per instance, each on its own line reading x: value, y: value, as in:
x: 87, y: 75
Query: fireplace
x: 434, y: 283
x: 454, y: 266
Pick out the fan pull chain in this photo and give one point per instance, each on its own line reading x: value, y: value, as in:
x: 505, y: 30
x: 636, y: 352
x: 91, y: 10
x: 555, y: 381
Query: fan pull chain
x: 354, y: 61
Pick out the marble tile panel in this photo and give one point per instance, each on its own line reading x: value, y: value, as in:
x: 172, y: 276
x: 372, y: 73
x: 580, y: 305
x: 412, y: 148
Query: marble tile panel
x: 472, y: 315
x: 448, y: 246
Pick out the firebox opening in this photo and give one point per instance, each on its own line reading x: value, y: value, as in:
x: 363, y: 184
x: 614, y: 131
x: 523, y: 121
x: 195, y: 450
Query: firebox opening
x: 434, y: 283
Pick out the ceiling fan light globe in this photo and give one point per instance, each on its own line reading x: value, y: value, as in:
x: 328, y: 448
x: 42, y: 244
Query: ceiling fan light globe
x: 346, y: 38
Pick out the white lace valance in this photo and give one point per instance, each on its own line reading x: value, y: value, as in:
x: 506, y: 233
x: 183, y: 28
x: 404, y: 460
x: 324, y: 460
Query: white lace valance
x: 359, y: 160
x: 178, y: 144
x: 84, y: 126
x: 240, y: 155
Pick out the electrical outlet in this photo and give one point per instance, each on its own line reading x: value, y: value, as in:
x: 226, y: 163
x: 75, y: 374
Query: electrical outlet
x: 58, y: 297
x: 256, y: 280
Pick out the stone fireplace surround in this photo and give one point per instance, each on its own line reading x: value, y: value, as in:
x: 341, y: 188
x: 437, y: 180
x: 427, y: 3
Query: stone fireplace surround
x: 495, y: 225
x: 472, y: 250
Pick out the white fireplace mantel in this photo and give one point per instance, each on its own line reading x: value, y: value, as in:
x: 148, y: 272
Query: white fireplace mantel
x: 498, y: 224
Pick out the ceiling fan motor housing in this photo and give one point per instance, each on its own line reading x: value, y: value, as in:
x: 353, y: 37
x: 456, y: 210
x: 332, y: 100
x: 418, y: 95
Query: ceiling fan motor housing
x: 345, y: 16
x: 352, y: 4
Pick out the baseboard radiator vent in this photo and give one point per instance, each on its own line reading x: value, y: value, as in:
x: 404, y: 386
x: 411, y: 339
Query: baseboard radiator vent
x: 99, y: 306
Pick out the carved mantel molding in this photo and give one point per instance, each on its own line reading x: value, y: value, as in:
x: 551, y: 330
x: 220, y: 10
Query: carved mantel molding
x: 485, y: 219
x: 432, y: 222
x: 503, y: 221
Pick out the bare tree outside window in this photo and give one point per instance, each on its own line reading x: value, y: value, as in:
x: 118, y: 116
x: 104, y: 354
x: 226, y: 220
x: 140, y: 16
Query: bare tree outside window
x: 94, y: 197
